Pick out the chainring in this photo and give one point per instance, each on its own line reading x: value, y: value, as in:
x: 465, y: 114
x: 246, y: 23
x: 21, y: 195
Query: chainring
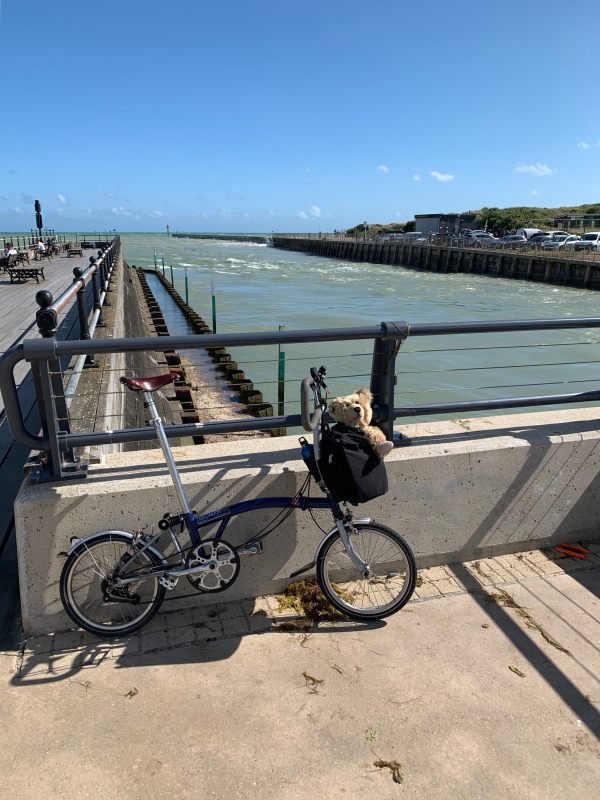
x: 221, y: 560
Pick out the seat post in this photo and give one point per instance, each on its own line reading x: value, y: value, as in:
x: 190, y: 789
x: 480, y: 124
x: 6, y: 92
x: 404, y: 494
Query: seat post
x: 157, y: 423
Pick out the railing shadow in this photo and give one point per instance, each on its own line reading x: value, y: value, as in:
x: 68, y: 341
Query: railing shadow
x: 163, y: 646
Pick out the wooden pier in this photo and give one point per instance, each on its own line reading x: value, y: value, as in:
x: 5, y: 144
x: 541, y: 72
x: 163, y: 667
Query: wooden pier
x: 564, y: 269
x: 17, y: 321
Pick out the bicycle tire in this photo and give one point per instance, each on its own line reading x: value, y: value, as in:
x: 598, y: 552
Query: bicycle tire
x: 78, y: 601
x: 345, y: 587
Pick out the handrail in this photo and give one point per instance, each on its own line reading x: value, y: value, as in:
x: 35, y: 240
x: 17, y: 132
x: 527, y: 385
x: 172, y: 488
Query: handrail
x: 36, y: 349
x: 387, y: 336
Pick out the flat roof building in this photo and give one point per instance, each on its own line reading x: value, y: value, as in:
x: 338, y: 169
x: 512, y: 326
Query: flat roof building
x: 443, y: 223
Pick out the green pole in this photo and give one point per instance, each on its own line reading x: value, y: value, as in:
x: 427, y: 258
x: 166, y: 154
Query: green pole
x: 281, y: 379
x: 214, y: 306
x: 187, y: 294
x: 162, y: 258
x: 171, y: 268
x: 155, y: 265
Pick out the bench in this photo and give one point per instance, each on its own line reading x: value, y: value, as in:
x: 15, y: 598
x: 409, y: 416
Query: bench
x: 24, y: 273
x: 74, y: 251
x: 7, y: 262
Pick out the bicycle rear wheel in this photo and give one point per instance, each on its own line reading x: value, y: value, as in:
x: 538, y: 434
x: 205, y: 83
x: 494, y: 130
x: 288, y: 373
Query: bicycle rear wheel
x: 389, y: 583
x: 84, y: 579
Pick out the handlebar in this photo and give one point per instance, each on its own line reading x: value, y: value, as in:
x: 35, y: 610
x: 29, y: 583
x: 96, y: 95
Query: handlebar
x: 313, y: 385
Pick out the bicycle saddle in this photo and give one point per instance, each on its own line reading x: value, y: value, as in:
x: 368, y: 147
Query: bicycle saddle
x: 147, y: 384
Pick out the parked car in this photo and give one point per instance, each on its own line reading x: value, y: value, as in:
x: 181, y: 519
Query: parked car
x: 512, y: 240
x: 558, y: 241
x: 537, y: 239
x: 413, y: 236
x: 589, y: 241
x: 481, y: 239
x: 570, y: 242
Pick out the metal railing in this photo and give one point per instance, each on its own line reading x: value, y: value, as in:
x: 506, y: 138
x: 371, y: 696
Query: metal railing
x: 57, y: 441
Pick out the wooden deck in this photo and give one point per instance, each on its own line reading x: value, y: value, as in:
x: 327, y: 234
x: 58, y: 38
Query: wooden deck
x: 18, y: 306
x: 17, y: 322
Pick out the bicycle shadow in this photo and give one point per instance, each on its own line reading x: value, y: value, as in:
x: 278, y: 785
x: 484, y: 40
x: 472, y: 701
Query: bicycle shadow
x: 189, y: 637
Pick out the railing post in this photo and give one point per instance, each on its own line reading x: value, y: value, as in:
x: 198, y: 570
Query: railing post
x: 383, y: 378
x: 96, y: 292
x: 105, y: 258
x: 48, y: 379
x: 84, y: 328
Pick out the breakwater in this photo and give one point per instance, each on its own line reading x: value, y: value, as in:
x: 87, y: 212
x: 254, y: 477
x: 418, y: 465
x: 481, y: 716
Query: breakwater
x: 222, y: 237
x: 560, y: 269
x: 234, y: 380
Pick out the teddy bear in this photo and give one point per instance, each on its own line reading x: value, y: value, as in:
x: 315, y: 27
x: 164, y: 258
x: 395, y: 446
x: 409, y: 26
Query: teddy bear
x: 354, y: 411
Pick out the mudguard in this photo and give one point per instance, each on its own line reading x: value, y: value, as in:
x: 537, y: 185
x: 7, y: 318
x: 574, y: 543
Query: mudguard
x: 76, y: 542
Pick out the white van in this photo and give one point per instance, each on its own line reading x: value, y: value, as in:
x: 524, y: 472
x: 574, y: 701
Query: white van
x: 528, y: 232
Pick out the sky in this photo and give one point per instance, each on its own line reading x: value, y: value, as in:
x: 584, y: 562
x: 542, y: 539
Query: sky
x: 273, y: 115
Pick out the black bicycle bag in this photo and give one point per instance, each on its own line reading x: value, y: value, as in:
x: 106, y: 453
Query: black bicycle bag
x: 351, y: 470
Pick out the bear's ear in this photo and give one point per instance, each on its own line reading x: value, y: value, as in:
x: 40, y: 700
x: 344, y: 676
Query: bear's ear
x: 335, y: 407
x: 364, y: 395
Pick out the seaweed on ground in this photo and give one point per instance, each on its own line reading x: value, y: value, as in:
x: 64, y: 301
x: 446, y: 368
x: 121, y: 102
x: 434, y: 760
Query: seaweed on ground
x: 306, y: 598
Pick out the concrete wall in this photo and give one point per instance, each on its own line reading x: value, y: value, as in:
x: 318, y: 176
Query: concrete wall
x: 464, y: 489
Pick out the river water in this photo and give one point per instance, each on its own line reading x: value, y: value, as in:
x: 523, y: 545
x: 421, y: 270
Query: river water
x: 259, y: 288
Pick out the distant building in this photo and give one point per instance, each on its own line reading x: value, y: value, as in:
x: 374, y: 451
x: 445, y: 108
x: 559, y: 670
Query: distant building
x: 582, y: 221
x: 443, y: 223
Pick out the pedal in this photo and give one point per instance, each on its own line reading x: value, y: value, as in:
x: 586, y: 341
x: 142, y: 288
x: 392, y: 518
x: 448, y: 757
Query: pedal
x: 168, y: 582
x: 254, y: 549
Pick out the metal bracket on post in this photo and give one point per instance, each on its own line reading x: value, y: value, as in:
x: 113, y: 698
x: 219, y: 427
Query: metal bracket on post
x: 383, y: 378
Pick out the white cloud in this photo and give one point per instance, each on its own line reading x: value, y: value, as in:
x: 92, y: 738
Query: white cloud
x: 307, y: 169
x: 313, y: 211
x: 416, y: 177
x: 383, y: 168
x: 539, y: 169
x: 157, y: 214
x: 124, y: 212
x: 588, y: 145
x: 535, y: 192
x: 443, y: 177
x: 61, y: 198
x: 18, y: 210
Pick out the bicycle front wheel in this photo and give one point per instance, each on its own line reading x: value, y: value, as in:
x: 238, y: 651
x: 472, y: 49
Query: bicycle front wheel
x: 84, y: 583
x: 389, y: 582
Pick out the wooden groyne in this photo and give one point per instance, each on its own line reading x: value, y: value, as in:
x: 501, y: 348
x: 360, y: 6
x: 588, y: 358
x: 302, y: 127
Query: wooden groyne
x: 542, y: 267
x: 222, y: 237
x: 234, y: 378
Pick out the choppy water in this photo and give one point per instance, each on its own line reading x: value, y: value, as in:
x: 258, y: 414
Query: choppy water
x: 260, y: 288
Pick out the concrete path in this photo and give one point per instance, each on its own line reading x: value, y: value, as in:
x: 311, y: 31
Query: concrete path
x: 473, y: 691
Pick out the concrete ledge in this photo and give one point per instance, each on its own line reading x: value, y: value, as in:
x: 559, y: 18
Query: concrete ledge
x: 465, y: 489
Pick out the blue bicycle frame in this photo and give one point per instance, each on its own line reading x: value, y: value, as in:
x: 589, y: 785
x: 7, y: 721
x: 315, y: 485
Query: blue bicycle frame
x: 195, y: 522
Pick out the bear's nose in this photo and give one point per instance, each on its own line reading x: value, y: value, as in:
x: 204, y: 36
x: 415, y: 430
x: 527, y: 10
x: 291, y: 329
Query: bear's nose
x: 357, y: 410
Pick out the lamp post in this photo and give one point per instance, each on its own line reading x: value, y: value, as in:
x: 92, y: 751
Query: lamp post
x: 365, y: 226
